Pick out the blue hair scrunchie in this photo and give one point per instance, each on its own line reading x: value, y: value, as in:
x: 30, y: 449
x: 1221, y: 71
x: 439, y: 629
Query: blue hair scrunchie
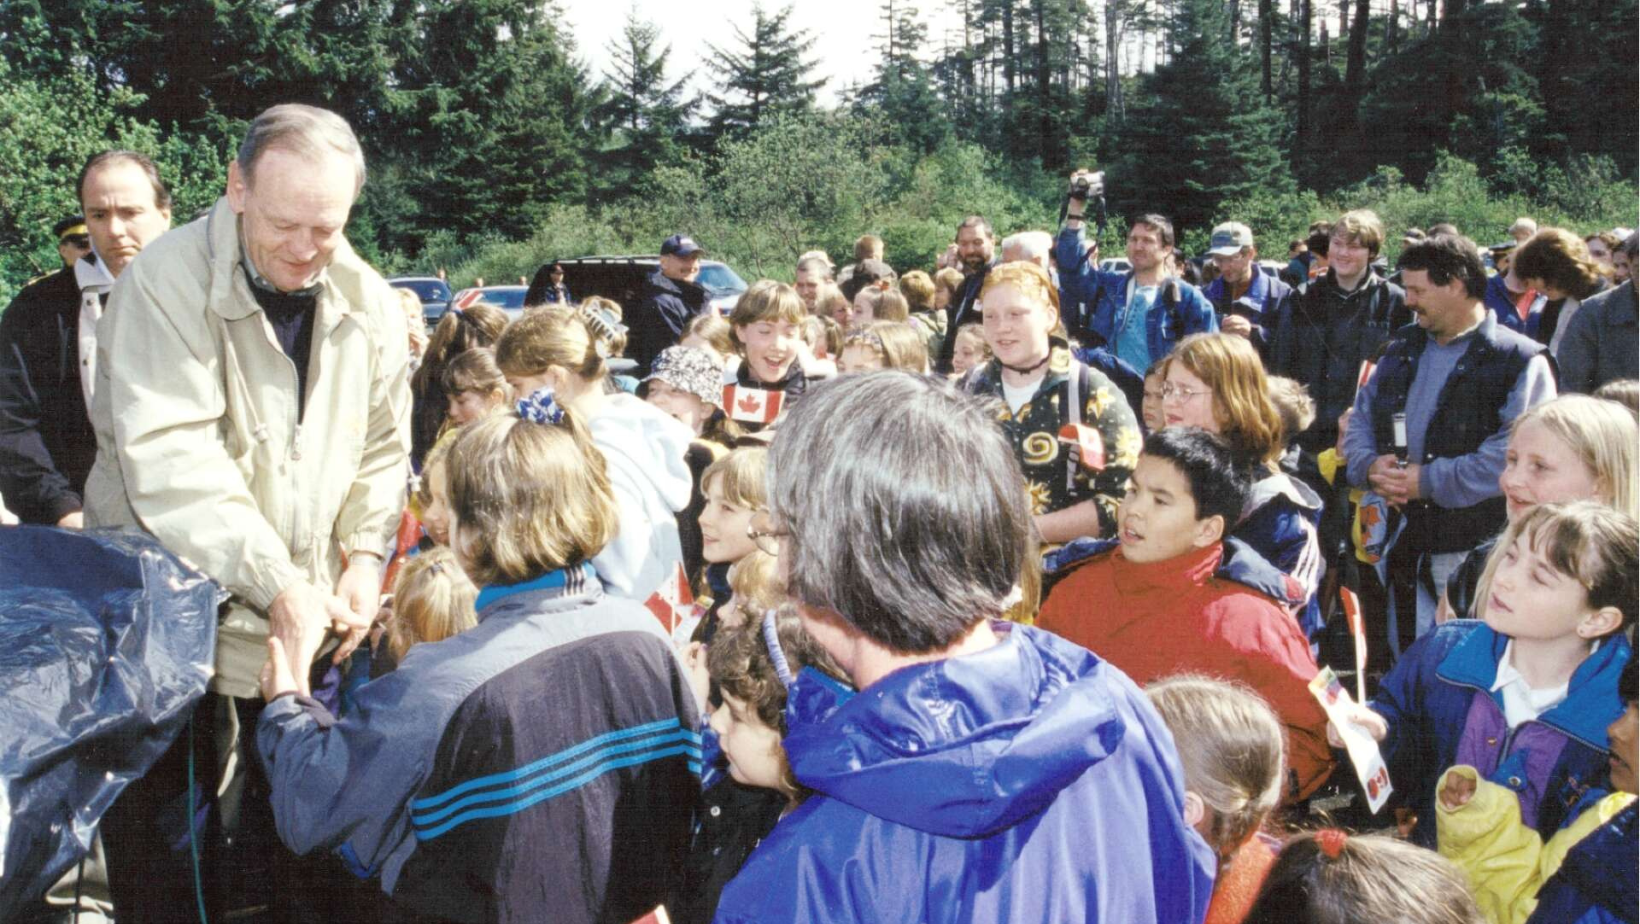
x: 541, y: 408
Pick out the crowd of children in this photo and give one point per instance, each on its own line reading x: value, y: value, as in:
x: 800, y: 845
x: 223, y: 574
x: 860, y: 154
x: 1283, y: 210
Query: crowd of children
x: 556, y: 730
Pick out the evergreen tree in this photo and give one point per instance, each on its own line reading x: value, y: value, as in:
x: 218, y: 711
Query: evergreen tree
x: 644, y: 113
x: 767, y: 77
x: 1202, y: 133
x: 903, y: 91
x: 1585, y: 64
x: 961, y: 76
x: 1475, y: 96
x: 198, y: 59
x: 1045, y: 111
x: 491, y: 115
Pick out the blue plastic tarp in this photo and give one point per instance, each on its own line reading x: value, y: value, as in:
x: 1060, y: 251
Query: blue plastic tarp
x: 106, y: 643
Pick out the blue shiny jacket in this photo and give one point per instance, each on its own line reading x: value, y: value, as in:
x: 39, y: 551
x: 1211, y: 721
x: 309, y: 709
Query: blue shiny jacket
x: 1030, y: 781
x: 1280, y: 522
x: 1094, y: 303
x: 1441, y: 711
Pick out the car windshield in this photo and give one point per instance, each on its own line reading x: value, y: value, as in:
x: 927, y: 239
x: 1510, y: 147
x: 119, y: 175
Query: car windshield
x: 510, y: 297
x: 720, y: 277
x: 428, y: 290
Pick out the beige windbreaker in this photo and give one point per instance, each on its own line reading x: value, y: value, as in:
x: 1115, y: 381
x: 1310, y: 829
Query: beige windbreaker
x: 198, y: 438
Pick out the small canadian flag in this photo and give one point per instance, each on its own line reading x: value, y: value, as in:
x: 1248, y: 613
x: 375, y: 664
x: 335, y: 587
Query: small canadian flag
x: 672, y: 602
x: 1090, y: 446
x: 752, y: 405
x: 1358, y: 638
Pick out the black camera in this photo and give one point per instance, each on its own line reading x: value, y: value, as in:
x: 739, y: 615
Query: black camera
x: 1088, y: 185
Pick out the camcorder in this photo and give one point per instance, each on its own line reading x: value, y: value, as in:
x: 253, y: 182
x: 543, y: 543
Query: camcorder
x: 1089, y: 189
x: 1087, y: 185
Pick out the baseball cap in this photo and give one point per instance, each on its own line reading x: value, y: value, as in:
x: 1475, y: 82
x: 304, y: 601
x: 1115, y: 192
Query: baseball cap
x: 692, y: 370
x: 680, y: 245
x: 1229, y: 238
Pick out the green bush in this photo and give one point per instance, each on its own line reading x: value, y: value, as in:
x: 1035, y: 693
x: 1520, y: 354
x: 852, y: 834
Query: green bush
x: 802, y: 183
x: 1590, y: 195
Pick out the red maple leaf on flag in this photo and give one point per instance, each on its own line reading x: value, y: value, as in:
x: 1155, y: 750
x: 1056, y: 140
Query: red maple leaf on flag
x: 673, y: 600
x: 752, y: 405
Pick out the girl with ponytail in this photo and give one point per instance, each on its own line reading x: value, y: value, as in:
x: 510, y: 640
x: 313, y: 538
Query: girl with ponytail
x: 558, y: 351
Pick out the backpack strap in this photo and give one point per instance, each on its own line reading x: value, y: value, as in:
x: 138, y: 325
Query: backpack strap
x: 1077, y: 383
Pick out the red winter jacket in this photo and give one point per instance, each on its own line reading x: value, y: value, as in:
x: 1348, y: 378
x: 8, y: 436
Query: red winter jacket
x: 1179, y: 616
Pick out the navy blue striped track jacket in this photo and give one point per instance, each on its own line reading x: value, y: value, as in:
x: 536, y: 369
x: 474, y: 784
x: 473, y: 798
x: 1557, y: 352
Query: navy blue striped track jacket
x: 542, y: 765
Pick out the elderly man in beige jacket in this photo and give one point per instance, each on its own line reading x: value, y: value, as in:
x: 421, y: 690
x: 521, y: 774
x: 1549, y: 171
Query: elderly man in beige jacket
x: 252, y: 413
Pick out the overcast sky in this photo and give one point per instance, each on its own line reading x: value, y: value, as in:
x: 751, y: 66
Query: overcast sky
x: 843, y: 30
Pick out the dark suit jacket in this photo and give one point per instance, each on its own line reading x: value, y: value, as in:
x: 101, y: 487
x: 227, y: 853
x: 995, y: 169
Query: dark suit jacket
x: 46, y: 442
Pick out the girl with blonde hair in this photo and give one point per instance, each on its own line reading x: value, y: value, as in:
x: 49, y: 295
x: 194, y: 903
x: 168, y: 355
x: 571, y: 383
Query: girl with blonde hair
x: 1526, y: 692
x: 735, y: 492
x: 709, y: 331
x: 1572, y: 448
x: 833, y: 305
x: 1233, y: 767
x: 884, y: 345
x: 432, y: 600
x: 969, y: 351
x: 552, y: 350
x: 892, y: 306
x: 946, y: 283
x: 1217, y: 382
x: 817, y: 338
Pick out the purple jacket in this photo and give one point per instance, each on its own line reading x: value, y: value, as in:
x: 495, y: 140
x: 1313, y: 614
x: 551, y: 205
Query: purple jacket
x: 1441, y: 711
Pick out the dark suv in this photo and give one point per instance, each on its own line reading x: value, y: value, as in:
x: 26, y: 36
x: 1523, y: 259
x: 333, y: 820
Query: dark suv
x: 622, y: 279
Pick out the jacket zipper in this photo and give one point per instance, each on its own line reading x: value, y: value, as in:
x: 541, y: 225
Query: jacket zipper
x: 1509, y: 739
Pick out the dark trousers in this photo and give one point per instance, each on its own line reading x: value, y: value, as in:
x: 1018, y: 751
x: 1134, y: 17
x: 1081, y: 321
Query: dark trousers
x: 194, y: 839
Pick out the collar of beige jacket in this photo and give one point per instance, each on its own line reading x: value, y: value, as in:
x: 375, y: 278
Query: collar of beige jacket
x: 222, y: 237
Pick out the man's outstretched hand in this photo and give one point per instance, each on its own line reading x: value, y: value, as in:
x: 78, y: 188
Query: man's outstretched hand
x: 300, y: 616
x: 359, y: 589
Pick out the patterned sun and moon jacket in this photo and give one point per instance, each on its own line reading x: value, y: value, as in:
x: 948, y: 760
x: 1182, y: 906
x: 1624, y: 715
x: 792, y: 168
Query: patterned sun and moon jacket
x: 1055, y: 478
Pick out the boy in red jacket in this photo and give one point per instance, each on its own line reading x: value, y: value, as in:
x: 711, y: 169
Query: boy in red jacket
x: 1175, y: 596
